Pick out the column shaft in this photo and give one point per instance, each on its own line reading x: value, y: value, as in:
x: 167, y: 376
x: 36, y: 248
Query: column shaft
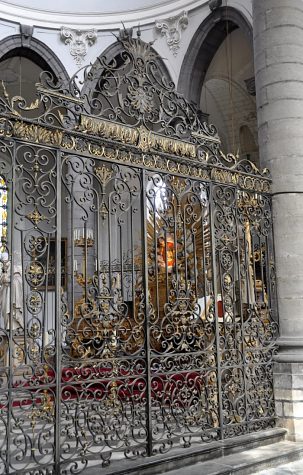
x: 278, y: 48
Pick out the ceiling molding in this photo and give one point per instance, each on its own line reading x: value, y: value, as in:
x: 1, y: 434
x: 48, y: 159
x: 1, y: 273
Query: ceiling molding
x: 99, y: 19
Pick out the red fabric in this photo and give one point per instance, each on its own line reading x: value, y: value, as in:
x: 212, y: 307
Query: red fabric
x: 162, y: 385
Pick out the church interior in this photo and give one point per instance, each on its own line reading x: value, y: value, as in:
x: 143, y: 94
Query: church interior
x: 150, y: 228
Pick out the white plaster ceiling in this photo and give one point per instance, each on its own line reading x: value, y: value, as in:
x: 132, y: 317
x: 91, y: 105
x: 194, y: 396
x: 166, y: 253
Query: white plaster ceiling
x: 89, y: 6
x: 97, y: 13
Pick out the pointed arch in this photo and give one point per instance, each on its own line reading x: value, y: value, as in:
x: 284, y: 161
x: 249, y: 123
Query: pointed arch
x: 203, y: 46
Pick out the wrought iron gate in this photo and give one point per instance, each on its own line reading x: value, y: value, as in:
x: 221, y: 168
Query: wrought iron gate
x: 137, y: 277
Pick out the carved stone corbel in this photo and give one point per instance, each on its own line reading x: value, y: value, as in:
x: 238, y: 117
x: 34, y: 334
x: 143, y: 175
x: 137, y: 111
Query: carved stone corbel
x: 26, y: 32
x: 79, y: 41
x: 214, y: 4
x: 172, y: 28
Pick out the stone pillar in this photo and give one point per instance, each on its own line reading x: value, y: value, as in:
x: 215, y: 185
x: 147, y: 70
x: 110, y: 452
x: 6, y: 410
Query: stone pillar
x: 278, y: 45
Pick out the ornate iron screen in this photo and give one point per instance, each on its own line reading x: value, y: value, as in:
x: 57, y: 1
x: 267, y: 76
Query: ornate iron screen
x: 137, y: 277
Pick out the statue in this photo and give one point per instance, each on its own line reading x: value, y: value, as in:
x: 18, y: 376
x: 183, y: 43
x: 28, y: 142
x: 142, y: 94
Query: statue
x: 5, y: 288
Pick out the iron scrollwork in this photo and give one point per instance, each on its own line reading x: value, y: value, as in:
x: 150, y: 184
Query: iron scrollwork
x: 163, y: 333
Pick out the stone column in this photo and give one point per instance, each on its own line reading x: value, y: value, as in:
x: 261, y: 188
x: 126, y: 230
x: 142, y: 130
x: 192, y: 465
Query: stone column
x: 278, y: 45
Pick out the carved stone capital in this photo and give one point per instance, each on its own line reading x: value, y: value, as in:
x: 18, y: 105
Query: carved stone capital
x: 172, y: 28
x: 79, y: 41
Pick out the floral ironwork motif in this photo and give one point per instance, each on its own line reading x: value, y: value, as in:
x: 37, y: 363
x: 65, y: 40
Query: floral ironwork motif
x: 36, y: 217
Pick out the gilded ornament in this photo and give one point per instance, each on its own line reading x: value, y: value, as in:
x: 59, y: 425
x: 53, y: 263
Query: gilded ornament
x: 178, y: 185
x: 144, y: 142
x: 103, y: 210
x: 36, y: 217
x: 104, y: 174
x: 37, y: 134
x: 36, y: 274
x: 141, y: 99
x: 107, y: 129
x: 34, y: 330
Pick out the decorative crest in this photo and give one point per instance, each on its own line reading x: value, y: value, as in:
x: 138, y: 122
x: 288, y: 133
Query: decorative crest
x: 127, y: 98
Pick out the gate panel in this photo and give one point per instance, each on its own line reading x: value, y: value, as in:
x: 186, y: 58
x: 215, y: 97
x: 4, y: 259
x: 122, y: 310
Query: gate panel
x: 7, y: 167
x: 229, y: 308
x: 246, y: 308
x: 27, y: 306
x: 260, y: 327
x: 185, y: 405
x: 103, y: 386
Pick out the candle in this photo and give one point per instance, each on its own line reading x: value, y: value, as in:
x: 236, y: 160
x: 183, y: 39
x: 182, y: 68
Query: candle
x: 75, y: 265
x: 96, y: 264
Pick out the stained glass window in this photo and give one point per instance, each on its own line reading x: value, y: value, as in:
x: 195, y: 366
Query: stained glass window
x: 3, y: 211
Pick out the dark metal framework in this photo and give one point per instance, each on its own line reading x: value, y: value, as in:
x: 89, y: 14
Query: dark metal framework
x: 138, y: 308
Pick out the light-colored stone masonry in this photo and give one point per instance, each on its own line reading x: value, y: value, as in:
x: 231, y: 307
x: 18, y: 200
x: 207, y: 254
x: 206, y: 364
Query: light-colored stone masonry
x: 278, y: 45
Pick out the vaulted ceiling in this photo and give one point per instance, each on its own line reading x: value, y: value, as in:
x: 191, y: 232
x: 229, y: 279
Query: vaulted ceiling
x: 92, y: 12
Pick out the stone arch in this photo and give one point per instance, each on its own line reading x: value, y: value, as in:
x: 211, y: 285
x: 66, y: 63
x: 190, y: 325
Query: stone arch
x: 203, y: 46
x: 35, y: 50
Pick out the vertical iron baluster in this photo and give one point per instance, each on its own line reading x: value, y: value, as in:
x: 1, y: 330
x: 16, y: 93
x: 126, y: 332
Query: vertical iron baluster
x: 238, y: 221
x: 23, y: 293
x: 121, y: 270
x: 58, y: 317
x: 10, y: 370
x: 98, y: 242
x: 147, y: 322
x: 45, y: 306
x: 212, y: 206
x: 72, y: 244
x: 85, y: 263
x: 133, y: 269
x: 109, y: 244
